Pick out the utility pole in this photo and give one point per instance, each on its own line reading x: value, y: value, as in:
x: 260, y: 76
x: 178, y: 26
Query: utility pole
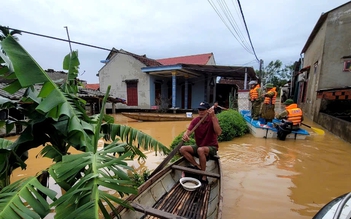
x: 261, y: 74
x: 69, y: 40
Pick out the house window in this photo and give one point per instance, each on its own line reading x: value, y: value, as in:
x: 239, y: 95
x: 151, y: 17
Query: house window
x: 347, y: 65
x: 132, y: 92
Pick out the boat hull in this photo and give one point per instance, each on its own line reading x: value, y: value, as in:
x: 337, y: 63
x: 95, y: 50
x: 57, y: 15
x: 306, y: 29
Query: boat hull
x: 164, y: 188
x: 269, y: 131
x: 339, y: 207
x: 157, y: 117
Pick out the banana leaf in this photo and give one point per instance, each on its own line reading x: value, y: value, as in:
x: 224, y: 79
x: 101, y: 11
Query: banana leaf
x: 134, y: 138
x: 17, y: 199
x: 102, y: 171
x: 51, y: 101
x: 9, y: 161
x: 57, y: 119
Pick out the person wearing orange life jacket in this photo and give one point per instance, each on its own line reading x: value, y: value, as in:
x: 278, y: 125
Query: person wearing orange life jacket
x: 255, y: 99
x: 267, y: 111
x: 291, y: 114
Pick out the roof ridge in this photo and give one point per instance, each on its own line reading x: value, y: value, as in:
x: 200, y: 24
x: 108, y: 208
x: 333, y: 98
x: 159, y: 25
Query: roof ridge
x: 210, y: 53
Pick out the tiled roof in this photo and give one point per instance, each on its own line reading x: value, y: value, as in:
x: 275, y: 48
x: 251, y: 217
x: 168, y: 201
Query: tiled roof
x: 143, y: 59
x: 16, y: 96
x: 86, y: 92
x: 83, y: 93
x: 93, y: 86
x: 200, y: 59
x: 59, y: 77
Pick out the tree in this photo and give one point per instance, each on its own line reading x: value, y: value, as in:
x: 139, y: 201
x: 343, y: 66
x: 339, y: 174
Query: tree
x: 56, y: 118
x: 276, y: 74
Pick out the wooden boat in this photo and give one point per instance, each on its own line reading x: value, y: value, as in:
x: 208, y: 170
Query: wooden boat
x: 162, y: 196
x: 339, y: 207
x: 158, y: 116
x: 268, y: 130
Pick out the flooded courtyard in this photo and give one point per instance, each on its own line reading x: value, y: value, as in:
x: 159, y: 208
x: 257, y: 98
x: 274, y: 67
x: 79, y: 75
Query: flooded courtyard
x: 262, y: 178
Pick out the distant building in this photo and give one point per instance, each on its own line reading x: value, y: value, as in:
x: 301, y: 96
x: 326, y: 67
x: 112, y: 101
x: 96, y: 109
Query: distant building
x: 171, y: 83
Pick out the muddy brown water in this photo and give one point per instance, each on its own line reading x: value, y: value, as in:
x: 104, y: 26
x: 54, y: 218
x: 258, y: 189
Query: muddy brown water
x: 262, y: 178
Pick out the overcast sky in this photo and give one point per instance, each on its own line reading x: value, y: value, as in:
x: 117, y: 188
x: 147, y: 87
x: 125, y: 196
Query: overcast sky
x: 163, y: 28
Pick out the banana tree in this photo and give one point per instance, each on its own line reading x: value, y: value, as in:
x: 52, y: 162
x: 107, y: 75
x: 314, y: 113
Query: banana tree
x: 56, y: 118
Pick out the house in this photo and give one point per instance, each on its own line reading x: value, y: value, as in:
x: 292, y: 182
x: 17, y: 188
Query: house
x: 322, y: 85
x: 170, y: 83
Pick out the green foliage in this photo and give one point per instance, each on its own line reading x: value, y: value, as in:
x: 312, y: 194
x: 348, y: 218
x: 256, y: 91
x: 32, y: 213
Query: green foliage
x: 139, y: 179
x: 177, y: 140
x: 56, y: 118
x: 101, y: 169
x: 17, y: 199
x: 232, y: 124
x: 276, y: 74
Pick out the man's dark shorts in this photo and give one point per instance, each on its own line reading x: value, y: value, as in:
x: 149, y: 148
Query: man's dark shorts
x: 212, y: 152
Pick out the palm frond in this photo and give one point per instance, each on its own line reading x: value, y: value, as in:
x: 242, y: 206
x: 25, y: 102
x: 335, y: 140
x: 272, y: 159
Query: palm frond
x: 85, y: 198
x: 22, y: 199
x: 134, y: 138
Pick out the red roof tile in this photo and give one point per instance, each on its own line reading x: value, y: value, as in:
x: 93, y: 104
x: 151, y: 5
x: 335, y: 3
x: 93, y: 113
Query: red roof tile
x: 93, y: 86
x: 200, y: 59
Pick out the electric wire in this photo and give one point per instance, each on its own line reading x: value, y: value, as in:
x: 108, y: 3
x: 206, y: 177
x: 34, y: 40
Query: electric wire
x: 84, y: 44
x: 238, y: 35
x: 60, y: 39
x: 225, y: 23
x: 233, y: 23
x: 247, y: 30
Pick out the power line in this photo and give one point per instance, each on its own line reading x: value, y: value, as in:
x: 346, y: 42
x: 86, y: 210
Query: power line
x: 248, y: 34
x: 241, y: 40
x: 56, y: 38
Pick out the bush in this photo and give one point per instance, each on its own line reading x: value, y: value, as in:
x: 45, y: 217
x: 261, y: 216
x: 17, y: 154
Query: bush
x: 178, y: 139
x: 232, y: 124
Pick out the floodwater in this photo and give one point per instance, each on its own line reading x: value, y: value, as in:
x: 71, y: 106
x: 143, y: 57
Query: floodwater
x: 263, y: 178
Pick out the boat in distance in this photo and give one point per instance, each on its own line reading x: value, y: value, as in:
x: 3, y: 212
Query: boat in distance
x: 268, y: 130
x: 158, y: 116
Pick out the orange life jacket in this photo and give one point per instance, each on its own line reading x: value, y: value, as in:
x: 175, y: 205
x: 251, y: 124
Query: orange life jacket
x: 294, y: 114
x: 254, y: 92
x: 268, y: 100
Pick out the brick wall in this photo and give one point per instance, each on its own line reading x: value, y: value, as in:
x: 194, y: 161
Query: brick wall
x: 343, y: 94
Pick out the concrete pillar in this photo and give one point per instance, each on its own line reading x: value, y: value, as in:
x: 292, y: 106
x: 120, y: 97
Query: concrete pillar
x: 205, y: 88
x: 245, y: 80
x: 113, y: 108
x: 186, y: 92
x: 92, y: 108
x: 174, y: 89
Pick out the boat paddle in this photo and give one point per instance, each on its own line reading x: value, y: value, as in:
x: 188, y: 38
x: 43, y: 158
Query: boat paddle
x: 316, y: 130
x: 176, y: 149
